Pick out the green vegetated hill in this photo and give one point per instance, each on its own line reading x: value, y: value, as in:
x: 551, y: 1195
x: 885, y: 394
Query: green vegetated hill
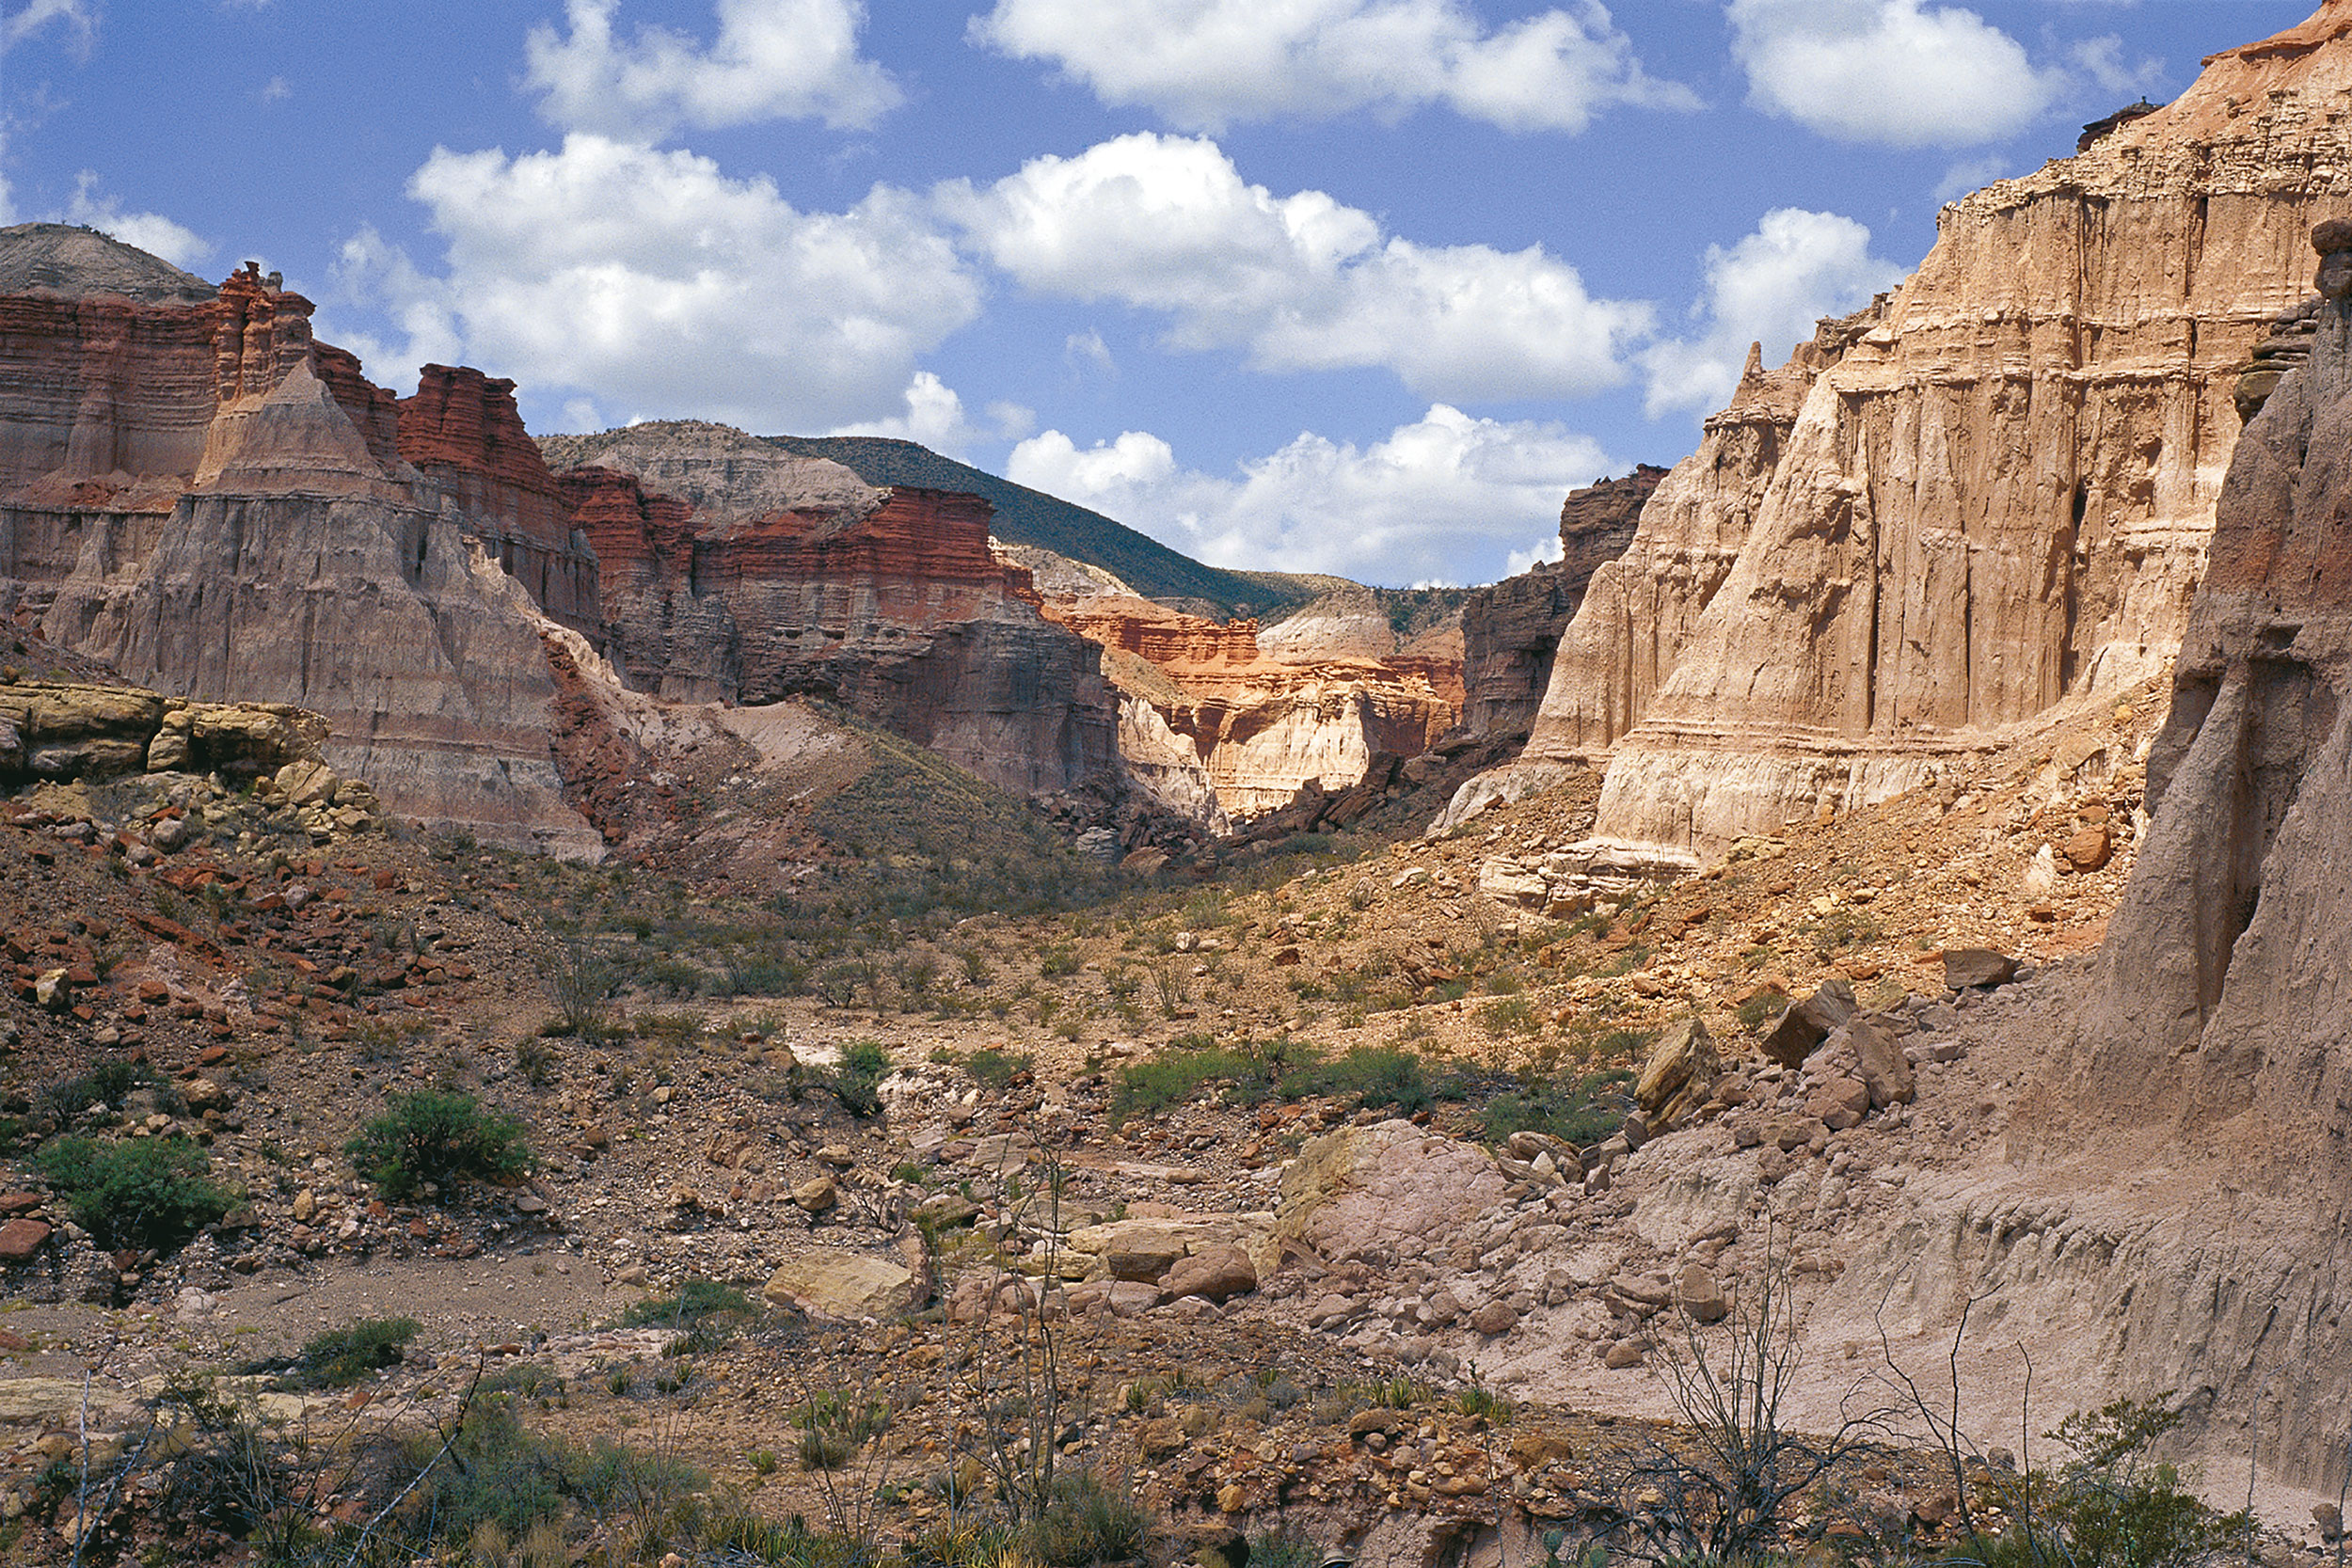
x: 1026, y: 517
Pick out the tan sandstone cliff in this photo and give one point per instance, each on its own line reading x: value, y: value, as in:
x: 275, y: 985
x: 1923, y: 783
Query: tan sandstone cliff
x: 1987, y: 494
x: 1220, y: 727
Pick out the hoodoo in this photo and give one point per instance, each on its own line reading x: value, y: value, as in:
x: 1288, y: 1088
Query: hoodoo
x: 1987, y: 494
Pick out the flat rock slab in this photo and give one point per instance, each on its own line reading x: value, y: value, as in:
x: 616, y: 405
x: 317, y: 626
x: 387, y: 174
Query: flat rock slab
x: 846, y: 1286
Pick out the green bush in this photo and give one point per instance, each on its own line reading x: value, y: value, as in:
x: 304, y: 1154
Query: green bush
x: 1087, y: 1521
x: 998, y: 1069
x: 2111, y: 1507
x: 143, y: 1192
x: 1579, y: 1108
x: 857, y: 1082
x: 1171, y: 1078
x: 1373, y: 1077
x: 341, y: 1357
x: 437, y: 1136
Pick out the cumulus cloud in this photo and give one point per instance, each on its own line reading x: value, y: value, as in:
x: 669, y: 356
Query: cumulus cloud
x: 934, y: 416
x: 70, y: 17
x: 1443, y: 497
x: 1770, y: 288
x: 1205, y: 64
x: 1298, y: 282
x: 657, y: 286
x: 1898, y: 72
x: 772, y: 59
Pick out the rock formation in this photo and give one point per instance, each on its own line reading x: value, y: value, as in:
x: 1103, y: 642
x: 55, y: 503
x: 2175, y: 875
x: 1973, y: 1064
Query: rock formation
x: 198, y: 492
x: 1262, y: 728
x: 462, y: 432
x: 735, y: 571
x: 1511, y: 630
x: 1989, y: 492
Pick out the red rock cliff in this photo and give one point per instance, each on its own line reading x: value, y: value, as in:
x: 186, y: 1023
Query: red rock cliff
x: 734, y: 571
x: 463, y: 434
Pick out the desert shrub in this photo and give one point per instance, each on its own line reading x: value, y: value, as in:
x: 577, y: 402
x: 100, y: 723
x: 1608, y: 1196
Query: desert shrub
x: 2111, y: 1506
x: 997, y: 1068
x: 1087, y: 1520
x: 1761, y: 1009
x: 835, y: 1426
x: 708, y: 1312
x: 437, y: 1136
x: 341, y: 1357
x: 1371, y: 1077
x: 857, y: 1082
x: 145, y: 1193
x: 1509, y: 1015
x: 1579, y: 1108
x: 109, y: 1083
x: 1171, y: 1078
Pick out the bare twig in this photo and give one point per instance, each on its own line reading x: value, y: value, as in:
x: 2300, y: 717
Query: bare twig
x: 465, y: 1406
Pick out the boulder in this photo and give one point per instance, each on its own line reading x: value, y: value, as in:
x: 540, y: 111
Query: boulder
x: 1842, y: 1103
x: 1879, y: 1063
x: 1216, y: 1274
x: 1682, y: 1066
x: 20, y: 1238
x: 816, y: 1195
x: 2088, y: 846
x: 1806, y: 1025
x: 845, y: 1287
x: 1969, y: 968
x: 1697, y: 1292
x: 1387, y: 1190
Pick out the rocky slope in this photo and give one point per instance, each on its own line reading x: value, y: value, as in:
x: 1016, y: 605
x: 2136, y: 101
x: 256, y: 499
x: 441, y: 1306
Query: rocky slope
x: 201, y: 493
x: 735, y: 572
x: 1989, y: 493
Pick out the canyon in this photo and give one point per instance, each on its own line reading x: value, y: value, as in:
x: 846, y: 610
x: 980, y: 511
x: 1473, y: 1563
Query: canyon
x: 1987, y: 494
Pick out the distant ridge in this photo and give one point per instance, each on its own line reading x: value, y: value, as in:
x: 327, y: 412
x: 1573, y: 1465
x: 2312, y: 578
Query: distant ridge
x: 1026, y: 517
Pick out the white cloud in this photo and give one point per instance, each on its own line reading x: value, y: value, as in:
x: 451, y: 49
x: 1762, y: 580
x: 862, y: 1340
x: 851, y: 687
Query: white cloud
x: 934, y: 416
x: 1770, y: 288
x: 276, y: 91
x: 1299, y: 282
x: 1205, y: 64
x: 2102, y: 60
x: 151, y: 232
x: 1898, y: 72
x: 1443, y: 497
x: 772, y: 59
x: 73, y: 17
x: 653, y: 284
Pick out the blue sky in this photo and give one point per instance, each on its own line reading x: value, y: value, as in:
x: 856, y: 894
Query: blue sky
x: 1358, y: 285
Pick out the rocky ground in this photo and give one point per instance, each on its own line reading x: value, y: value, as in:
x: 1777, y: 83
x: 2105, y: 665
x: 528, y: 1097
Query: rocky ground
x: 1312, y: 1175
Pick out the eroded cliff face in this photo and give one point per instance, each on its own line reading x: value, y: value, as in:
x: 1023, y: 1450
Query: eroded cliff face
x: 1260, y: 725
x: 1987, y: 495
x: 2208, y: 1061
x: 195, y: 490
x: 734, y: 571
x: 1511, y: 630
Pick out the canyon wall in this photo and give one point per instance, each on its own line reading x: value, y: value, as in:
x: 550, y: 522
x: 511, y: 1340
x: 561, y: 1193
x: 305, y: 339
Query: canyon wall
x: 2173, y: 1198
x: 1511, y: 630
x: 1989, y: 493
x: 735, y: 571
x: 195, y: 490
x: 1262, y: 726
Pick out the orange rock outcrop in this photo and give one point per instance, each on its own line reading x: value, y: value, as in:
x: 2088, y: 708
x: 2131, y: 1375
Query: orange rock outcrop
x: 1256, y: 727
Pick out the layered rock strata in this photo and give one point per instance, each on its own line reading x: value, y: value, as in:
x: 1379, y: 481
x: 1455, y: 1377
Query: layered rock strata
x: 1511, y: 630
x: 203, y: 496
x: 462, y: 432
x: 734, y: 571
x: 1990, y: 493
x: 1259, y: 729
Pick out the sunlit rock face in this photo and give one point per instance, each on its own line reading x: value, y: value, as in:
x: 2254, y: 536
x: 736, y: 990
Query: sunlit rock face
x: 1987, y: 494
